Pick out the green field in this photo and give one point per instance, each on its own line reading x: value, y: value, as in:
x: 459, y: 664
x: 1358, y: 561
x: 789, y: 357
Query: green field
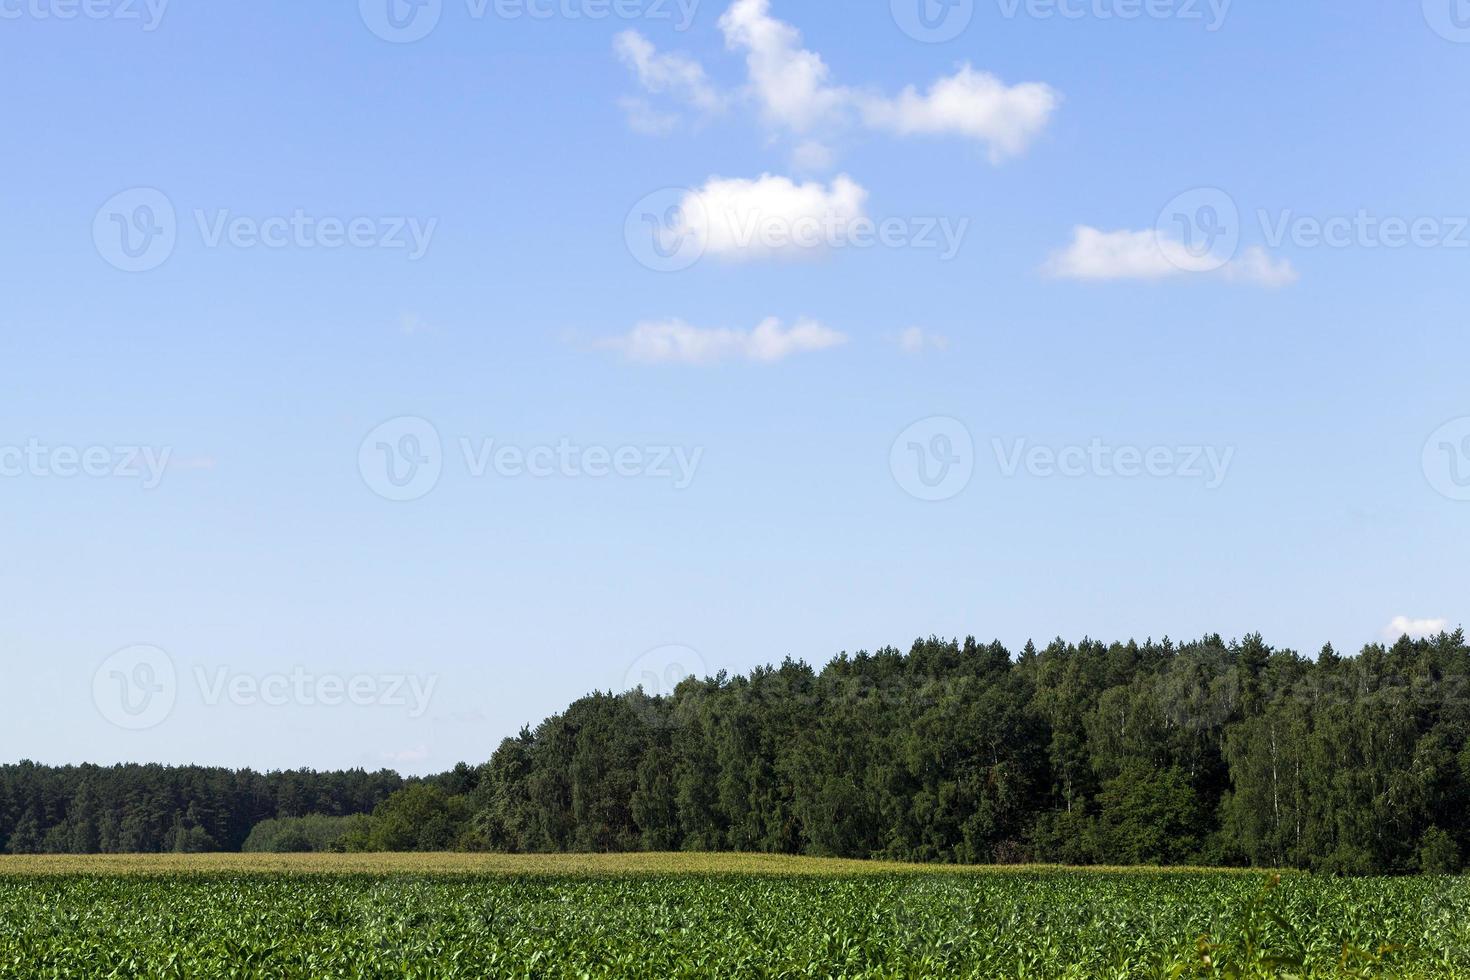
x: 663, y: 916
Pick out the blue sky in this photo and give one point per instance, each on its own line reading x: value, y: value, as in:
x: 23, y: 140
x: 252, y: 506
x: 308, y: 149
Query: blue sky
x: 782, y: 410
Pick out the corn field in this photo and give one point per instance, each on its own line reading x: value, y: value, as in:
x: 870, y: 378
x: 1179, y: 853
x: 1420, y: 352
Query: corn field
x: 192, y: 918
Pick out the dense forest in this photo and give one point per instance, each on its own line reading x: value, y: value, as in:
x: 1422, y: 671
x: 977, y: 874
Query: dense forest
x: 146, y: 809
x: 1153, y: 753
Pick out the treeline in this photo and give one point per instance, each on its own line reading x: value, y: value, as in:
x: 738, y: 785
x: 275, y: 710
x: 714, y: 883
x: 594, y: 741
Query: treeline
x: 1155, y: 753
x: 148, y: 809
x: 1206, y: 753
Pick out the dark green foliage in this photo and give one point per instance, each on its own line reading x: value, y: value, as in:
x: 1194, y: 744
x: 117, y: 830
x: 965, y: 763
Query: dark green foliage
x: 1438, y: 853
x: 156, y: 809
x: 312, y: 834
x: 1207, y: 753
x: 417, y: 818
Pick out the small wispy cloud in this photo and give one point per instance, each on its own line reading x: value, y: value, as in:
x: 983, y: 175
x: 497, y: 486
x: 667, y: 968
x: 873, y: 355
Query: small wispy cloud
x: 677, y: 342
x: 917, y: 340
x: 1416, y: 629
x: 1110, y: 256
x: 792, y: 90
x: 674, y: 76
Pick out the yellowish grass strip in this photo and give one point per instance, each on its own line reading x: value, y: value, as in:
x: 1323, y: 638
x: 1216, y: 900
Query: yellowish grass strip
x: 503, y: 864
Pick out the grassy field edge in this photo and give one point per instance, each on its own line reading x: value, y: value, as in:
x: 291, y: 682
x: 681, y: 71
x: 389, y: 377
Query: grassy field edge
x: 521, y: 864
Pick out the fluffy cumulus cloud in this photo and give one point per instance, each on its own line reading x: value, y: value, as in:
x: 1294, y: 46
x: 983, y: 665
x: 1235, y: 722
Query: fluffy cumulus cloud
x: 770, y: 217
x: 677, y: 342
x: 972, y: 104
x: 1104, y: 256
x: 792, y: 86
x: 1414, y: 628
x: 794, y: 93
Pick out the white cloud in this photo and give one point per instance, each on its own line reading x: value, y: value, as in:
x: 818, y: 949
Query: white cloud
x: 771, y: 217
x: 1415, y: 629
x: 791, y: 84
x: 1257, y: 267
x: 1103, y: 256
x: 916, y: 340
x: 676, y: 342
x: 813, y: 156
x: 970, y: 103
x: 675, y: 75
x: 793, y: 91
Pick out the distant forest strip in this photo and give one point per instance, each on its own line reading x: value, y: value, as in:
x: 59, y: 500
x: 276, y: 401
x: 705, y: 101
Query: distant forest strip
x: 1205, y: 753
